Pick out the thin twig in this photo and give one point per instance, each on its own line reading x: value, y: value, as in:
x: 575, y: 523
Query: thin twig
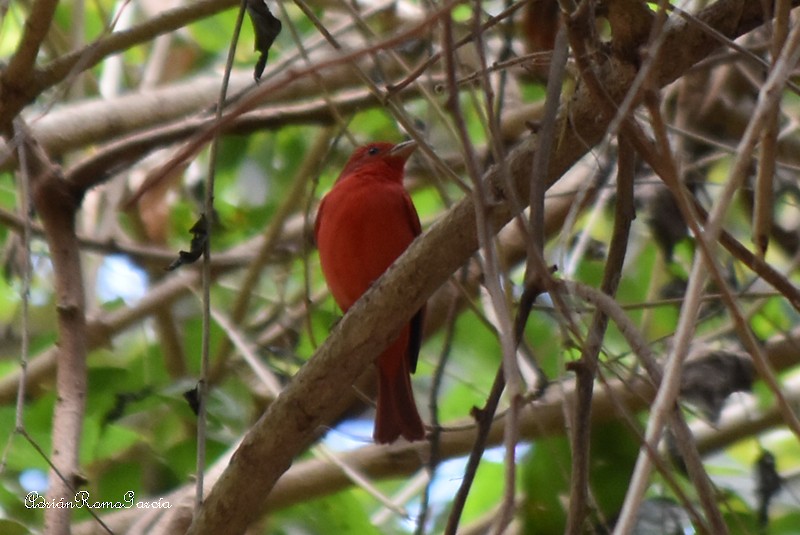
x: 433, y: 402
x: 504, y: 317
x: 586, y: 367
x: 27, y: 269
x: 24, y: 203
x: 546, y: 135
x: 485, y: 419
x: 208, y: 215
x: 764, y: 197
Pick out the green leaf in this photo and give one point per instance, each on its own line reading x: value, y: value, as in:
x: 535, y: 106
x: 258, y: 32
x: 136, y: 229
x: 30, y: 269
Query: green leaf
x: 10, y: 527
x: 546, y: 472
x: 340, y: 514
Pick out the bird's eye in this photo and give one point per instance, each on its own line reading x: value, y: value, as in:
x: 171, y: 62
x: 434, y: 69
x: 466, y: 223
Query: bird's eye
x: 372, y: 151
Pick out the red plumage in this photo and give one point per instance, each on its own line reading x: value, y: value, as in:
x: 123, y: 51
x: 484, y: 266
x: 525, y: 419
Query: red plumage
x: 363, y: 224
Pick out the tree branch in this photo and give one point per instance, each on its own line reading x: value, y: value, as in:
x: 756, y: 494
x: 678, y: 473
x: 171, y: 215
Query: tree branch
x: 86, y: 58
x: 57, y: 208
x: 15, y: 80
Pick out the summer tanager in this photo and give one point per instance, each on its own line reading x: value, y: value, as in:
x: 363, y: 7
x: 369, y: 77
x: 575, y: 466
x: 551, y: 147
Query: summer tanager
x: 364, y: 223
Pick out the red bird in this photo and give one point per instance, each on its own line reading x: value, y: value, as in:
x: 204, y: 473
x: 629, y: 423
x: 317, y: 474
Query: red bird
x: 363, y: 224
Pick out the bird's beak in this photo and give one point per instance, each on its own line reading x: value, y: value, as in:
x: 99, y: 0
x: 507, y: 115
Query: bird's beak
x: 403, y: 150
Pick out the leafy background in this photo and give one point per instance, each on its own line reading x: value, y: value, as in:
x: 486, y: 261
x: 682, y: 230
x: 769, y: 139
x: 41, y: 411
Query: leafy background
x: 272, y: 165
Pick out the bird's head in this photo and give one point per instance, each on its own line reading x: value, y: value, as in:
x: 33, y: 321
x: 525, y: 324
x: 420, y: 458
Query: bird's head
x: 379, y: 155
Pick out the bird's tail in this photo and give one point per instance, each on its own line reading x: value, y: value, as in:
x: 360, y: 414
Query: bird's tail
x: 397, y: 412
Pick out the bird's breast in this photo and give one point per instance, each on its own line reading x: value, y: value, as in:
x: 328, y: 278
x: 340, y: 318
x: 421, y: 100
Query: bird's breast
x: 364, y: 228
